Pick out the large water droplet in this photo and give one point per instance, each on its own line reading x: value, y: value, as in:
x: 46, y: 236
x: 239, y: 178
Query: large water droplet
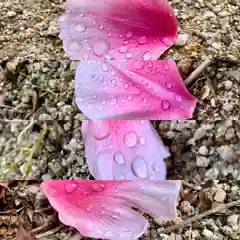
x: 147, y: 56
x: 165, y: 105
x: 130, y: 139
x: 150, y: 64
x: 70, y: 187
x: 119, y: 158
x: 101, y: 47
x: 139, y: 167
x: 142, y: 40
x: 99, y: 187
x: 105, y: 67
x: 139, y: 65
x: 80, y: 27
x: 178, y: 98
x: 167, y: 41
x: 126, y: 85
x: 100, y: 129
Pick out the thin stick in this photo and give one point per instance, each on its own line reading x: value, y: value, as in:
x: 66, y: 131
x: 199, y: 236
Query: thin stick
x: 189, y: 221
x: 20, y: 136
x: 198, y: 71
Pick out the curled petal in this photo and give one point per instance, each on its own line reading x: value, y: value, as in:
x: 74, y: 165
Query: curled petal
x: 117, y: 30
x: 124, y: 150
x: 103, y: 209
x: 139, y: 90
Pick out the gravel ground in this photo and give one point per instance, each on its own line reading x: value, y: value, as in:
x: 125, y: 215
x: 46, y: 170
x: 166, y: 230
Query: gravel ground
x: 36, y: 78
x: 25, y: 205
x: 200, y: 150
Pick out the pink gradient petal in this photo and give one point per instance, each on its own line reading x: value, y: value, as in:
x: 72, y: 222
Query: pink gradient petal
x: 103, y: 209
x: 117, y: 30
x: 145, y: 90
x: 124, y: 150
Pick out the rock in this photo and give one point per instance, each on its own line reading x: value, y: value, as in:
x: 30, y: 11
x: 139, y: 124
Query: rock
x: 203, y: 150
x: 207, y: 234
x: 227, y: 153
x: 53, y: 29
x: 232, y: 220
x: 227, y: 230
x: 202, y: 161
x: 47, y: 176
x: 228, y: 107
x: 181, y: 40
x: 230, y: 134
x: 228, y: 85
x: 220, y: 195
x: 186, y: 207
x: 11, y: 14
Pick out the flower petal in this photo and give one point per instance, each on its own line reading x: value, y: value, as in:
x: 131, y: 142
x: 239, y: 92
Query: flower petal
x: 117, y: 30
x: 124, y: 150
x: 103, y: 209
x: 145, y: 90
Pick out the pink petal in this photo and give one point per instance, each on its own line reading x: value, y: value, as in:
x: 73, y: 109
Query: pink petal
x: 119, y: 29
x: 124, y: 150
x: 145, y: 90
x: 103, y: 209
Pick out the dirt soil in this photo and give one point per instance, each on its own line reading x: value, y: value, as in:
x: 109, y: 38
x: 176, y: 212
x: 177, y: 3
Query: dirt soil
x: 36, y: 77
x: 24, y: 210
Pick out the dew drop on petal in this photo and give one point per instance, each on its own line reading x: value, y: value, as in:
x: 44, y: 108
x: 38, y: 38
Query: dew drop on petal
x: 130, y: 139
x: 150, y: 64
x: 119, y: 158
x: 178, y: 98
x: 122, y: 49
x: 99, y: 187
x: 105, y: 67
x: 113, y: 101
x: 147, y: 56
x: 129, y: 34
x: 139, y: 167
x: 126, y: 85
x: 100, y: 129
x: 80, y: 27
x: 142, y: 40
x: 53, y: 192
x: 165, y: 105
x: 101, y: 47
x: 128, y: 55
x: 70, y: 187
x: 142, y: 140
x: 139, y: 65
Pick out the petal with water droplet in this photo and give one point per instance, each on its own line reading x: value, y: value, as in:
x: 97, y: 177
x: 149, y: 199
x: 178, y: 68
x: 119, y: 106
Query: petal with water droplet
x: 115, y: 24
x: 106, y: 211
x: 136, y: 92
x: 129, y: 152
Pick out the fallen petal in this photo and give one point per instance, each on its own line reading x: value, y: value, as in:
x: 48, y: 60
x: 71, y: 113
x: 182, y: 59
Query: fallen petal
x: 103, y: 209
x: 124, y: 150
x: 117, y: 30
x: 145, y: 90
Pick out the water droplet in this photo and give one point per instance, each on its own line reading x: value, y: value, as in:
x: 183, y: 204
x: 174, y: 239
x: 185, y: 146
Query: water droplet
x: 105, y: 67
x: 169, y: 85
x: 130, y: 139
x: 125, y: 42
x: 74, y: 46
x: 166, y: 67
x: 128, y: 55
x: 104, y: 83
x: 53, y: 192
x: 101, y: 47
x: 150, y: 64
x: 119, y: 158
x: 139, y: 167
x: 122, y: 49
x: 157, y: 168
x: 121, y: 177
x: 104, y: 102
x: 165, y: 105
x: 142, y: 40
x: 70, y: 187
x: 158, y: 69
x: 100, y: 129
x: 113, y: 73
x: 89, y: 208
x: 101, y: 27
x: 129, y: 34
x: 142, y: 140
x: 147, y: 56
x: 99, y: 187
x: 113, y: 101
x: 144, y: 100
x: 167, y: 41
x: 80, y: 27
x: 178, y: 98
x: 139, y: 65
x: 130, y: 97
